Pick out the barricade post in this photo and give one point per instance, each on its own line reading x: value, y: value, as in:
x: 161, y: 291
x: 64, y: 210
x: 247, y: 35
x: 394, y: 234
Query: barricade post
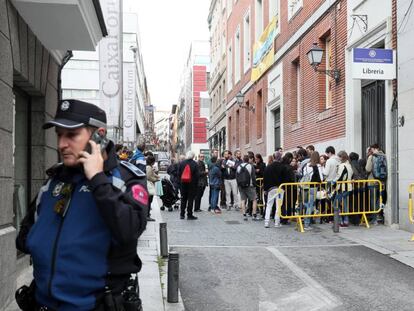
x: 260, y: 200
x: 303, y: 201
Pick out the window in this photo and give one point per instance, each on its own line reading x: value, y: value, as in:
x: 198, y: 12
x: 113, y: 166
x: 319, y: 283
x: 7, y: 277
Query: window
x: 230, y: 131
x: 238, y: 128
x: 293, y: 7
x: 237, y: 56
x: 246, y: 41
x: 247, y: 122
x: 328, y: 79
x: 298, y: 92
x: 259, y: 18
x: 259, y: 114
x: 229, y: 69
x: 273, y: 8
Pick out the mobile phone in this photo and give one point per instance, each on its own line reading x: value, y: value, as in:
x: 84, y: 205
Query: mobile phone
x: 102, y: 141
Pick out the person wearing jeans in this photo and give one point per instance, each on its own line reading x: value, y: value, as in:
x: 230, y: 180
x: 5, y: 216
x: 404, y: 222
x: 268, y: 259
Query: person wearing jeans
x: 312, y: 172
x: 228, y: 168
x: 215, y: 182
x: 344, y: 173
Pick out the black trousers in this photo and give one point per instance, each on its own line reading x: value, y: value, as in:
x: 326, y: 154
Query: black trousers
x: 199, y: 196
x: 188, y: 193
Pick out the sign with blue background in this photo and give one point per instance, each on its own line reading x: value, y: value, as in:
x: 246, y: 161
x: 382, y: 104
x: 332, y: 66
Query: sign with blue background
x: 373, y: 64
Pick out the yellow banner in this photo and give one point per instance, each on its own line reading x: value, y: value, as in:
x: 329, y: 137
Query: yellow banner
x: 263, y: 51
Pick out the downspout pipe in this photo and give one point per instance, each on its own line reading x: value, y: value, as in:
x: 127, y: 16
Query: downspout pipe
x: 68, y: 55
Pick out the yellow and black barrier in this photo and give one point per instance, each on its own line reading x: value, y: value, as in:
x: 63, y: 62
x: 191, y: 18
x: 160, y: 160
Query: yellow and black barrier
x: 410, y: 205
x: 317, y: 200
x: 260, y: 198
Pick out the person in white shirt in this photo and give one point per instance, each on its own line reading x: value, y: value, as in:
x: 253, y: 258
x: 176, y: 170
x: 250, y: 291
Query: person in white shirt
x: 331, y: 166
x: 344, y: 190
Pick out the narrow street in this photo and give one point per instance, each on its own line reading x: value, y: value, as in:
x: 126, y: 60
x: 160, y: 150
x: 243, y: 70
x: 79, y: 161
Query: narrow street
x: 229, y: 264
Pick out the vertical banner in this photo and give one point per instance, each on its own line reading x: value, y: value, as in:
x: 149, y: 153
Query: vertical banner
x: 129, y: 119
x: 263, y: 50
x: 110, y: 63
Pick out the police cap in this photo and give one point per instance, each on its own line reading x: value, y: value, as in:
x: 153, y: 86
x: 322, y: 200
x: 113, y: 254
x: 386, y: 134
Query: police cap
x: 72, y: 113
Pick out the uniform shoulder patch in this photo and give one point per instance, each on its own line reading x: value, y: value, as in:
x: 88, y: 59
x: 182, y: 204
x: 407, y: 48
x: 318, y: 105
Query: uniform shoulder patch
x: 133, y: 169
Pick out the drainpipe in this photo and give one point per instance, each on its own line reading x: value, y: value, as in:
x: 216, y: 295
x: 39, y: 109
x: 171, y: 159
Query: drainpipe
x: 68, y: 55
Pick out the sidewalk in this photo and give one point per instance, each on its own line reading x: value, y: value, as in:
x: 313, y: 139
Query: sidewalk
x: 153, y: 275
x: 386, y: 240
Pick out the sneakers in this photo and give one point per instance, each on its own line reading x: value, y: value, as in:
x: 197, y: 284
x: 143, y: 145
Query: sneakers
x: 198, y: 210
x: 266, y: 224
x: 150, y: 219
x: 244, y: 217
x: 191, y: 217
x: 278, y: 225
x: 182, y: 217
x: 308, y: 228
x: 217, y: 211
x: 343, y: 225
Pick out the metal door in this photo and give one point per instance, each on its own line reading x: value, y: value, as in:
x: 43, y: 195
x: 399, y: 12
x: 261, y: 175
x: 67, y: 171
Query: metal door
x: 373, y: 115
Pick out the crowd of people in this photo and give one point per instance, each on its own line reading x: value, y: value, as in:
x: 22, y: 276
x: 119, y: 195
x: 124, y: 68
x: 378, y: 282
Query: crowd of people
x: 248, y: 184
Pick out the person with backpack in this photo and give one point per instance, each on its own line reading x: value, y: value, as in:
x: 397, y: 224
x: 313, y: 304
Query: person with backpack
x: 138, y: 158
x: 376, y: 168
x: 188, y: 178
x: 246, y: 181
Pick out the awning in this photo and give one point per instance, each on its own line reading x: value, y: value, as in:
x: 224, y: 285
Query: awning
x: 64, y: 24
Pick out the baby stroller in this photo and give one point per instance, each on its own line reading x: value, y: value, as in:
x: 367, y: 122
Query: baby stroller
x: 170, y: 197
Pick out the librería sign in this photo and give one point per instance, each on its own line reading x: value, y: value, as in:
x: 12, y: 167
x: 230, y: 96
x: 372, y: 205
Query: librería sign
x: 373, y: 64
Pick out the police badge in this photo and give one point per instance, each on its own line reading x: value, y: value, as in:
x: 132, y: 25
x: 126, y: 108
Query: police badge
x: 58, y: 189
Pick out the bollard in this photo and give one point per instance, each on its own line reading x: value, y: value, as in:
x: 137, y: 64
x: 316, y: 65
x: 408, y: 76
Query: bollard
x: 173, y: 269
x: 336, y: 219
x: 163, y: 240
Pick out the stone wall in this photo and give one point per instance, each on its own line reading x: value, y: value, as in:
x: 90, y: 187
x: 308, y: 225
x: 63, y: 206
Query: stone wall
x: 25, y: 64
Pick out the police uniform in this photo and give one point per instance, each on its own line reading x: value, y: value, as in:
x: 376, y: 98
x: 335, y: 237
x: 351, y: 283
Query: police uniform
x: 82, y: 234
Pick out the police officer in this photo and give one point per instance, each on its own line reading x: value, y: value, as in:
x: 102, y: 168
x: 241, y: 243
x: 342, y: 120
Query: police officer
x: 83, y: 227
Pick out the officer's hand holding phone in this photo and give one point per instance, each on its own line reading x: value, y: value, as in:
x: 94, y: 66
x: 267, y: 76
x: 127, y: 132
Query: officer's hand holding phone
x: 92, y: 161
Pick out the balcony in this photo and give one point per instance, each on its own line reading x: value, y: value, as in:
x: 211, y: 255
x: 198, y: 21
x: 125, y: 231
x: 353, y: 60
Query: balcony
x: 65, y: 24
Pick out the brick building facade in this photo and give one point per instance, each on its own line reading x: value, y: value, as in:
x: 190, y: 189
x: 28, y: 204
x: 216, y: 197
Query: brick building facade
x: 314, y: 104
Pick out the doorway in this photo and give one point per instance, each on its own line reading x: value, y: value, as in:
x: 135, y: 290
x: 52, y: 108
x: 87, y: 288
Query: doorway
x: 373, y: 114
x: 276, y: 115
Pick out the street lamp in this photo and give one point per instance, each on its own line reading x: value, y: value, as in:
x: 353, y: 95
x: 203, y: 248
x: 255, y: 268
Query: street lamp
x: 315, y: 55
x: 240, y: 102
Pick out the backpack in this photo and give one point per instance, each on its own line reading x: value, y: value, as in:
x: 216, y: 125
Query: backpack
x: 243, y: 177
x: 186, y: 175
x: 379, y: 166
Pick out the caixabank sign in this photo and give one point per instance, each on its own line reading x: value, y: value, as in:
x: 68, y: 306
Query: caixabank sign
x: 373, y: 64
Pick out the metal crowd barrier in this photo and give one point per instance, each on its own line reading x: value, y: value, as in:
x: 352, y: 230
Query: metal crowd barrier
x: 260, y: 197
x: 317, y: 200
x: 410, y: 205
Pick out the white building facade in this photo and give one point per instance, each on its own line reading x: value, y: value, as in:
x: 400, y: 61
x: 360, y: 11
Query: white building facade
x: 122, y: 92
x: 405, y: 121
x: 370, y: 114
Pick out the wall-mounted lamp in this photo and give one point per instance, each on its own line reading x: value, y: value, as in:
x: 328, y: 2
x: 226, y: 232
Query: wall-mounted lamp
x: 315, y: 55
x: 240, y: 102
